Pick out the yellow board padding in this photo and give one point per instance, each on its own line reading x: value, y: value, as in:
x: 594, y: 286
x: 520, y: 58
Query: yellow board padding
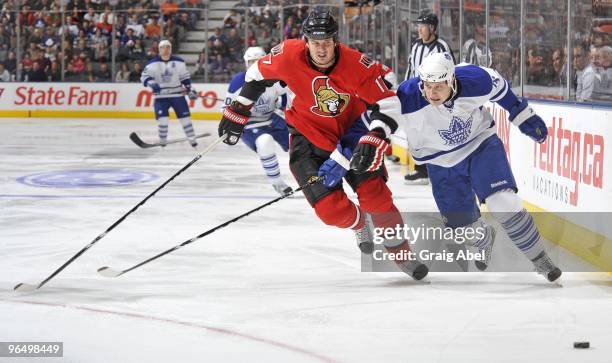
x: 404, y: 155
x: 107, y: 114
x: 590, y: 246
x: 14, y: 113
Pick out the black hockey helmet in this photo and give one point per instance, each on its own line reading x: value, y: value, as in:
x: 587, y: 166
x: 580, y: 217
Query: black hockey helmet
x: 428, y: 18
x: 320, y: 24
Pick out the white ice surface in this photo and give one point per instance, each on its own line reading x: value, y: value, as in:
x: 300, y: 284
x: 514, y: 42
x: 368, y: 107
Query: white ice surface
x: 276, y: 286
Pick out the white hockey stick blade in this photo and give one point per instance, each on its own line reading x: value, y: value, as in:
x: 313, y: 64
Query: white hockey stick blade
x: 109, y: 272
x: 23, y: 287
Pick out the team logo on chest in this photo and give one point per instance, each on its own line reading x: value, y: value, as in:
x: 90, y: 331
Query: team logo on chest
x: 328, y: 101
x: 458, y: 131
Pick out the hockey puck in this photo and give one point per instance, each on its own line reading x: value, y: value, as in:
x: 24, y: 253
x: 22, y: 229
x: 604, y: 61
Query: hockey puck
x: 581, y: 345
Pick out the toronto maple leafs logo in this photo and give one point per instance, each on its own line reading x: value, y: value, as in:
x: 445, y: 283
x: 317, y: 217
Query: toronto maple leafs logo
x: 458, y: 131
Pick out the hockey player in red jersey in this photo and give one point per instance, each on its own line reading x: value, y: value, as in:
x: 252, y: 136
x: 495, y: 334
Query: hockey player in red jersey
x: 331, y: 84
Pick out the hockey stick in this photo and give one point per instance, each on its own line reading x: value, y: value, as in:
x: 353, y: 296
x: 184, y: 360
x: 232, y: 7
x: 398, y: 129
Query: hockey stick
x: 145, y: 145
x: 277, y: 111
x: 24, y: 287
x: 111, y: 272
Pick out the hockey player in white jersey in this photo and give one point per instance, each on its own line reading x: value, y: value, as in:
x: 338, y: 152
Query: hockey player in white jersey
x: 169, y: 79
x: 449, y: 130
x: 265, y: 127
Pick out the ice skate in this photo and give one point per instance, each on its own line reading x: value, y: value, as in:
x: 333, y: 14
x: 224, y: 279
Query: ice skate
x: 416, y: 178
x: 488, y: 249
x: 544, y: 266
x: 364, y: 239
x: 282, y: 188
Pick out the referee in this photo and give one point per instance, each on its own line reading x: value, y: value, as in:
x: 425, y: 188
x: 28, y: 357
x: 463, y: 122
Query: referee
x: 428, y: 42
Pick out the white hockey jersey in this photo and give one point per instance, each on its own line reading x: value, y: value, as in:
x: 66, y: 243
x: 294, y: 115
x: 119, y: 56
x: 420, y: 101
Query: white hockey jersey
x: 263, y: 109
x: 171, y: 75
x: 445, y: 135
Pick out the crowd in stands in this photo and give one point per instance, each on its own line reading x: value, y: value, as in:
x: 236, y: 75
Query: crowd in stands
x: 94, y: 28
x: 94, y: 31
x: 226, y: 45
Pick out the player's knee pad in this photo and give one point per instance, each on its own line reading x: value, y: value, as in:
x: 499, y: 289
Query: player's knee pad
x: 335, y: 209
x: 265, y: 145
x: 504, y: 204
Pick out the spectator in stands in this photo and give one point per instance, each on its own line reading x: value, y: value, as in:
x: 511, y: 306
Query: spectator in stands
x: 123, y: 75
x: 559, y: 68
x: 83, y: 48
x: 102, y: 53
x: 537, y: 72
x: 234, y: 44
x: 11, y: 62
x: 5, y: 76
x: 96, y: 38
x: 475, y: 50
x: 78, y: 63
x: 153, y: 30
x: 169, y: 8
x: 43, y: 63
x: 136, y: 73
x: 122, y: 52
x: 91, y: 74
x: 36, y: 74
x: 138, y: 51
x: 603, y: 82
x: 91, y: 16
x: 230, y: 20
x: 580, y: 61
x: 289, y: 25
x: 217, y: 34
x: 154, y: 50
x: 265, y: 39
x: 586, y: 83
x: 135, y: 25
x: 72, y: 28
x: 103, y: 74
x: 55, y: 72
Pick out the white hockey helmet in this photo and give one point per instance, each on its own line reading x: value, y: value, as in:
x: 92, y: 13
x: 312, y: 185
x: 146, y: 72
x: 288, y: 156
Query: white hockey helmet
x: 438, y: 67
x: 164, y: 43
x: 253, y: 54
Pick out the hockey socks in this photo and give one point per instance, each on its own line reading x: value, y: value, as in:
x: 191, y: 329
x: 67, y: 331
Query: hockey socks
x: 522, y: 231
x: 188, y: 128
x: 162, y: 128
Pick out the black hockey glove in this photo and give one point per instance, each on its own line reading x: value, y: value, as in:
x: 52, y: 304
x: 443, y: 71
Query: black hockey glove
x: 235, y: 117
x: 370, y: 151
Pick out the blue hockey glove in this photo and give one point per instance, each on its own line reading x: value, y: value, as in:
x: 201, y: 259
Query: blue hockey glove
x: 154, y: 87
x: 335, y: 168
x: 192, y: 94
x: 530, y: 124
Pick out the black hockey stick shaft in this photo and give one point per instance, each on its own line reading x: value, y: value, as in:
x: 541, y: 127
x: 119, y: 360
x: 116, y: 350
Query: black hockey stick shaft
x: 117, y: 222
x: 204, y: 234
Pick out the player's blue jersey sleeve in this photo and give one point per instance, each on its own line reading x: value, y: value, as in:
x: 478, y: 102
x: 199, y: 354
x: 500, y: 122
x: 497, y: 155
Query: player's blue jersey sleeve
x: 481, y: 81
x: 410, y: 96
x: 359, y: 128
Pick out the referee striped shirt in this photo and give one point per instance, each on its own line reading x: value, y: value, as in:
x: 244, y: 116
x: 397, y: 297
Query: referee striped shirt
x: 421, y: 50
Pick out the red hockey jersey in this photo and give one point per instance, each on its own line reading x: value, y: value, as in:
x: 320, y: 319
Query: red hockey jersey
x: 324, y: 106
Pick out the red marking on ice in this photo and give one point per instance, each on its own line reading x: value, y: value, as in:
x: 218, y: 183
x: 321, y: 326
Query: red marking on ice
x: 225, y: 331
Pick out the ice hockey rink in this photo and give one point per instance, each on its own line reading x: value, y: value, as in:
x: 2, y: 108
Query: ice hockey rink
x: 275, y: 286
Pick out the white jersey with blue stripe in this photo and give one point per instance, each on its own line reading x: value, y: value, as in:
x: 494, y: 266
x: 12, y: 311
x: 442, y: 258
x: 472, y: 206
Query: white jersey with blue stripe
x: 445, y: 135
x: 263, y: 109
x: 170, y: 75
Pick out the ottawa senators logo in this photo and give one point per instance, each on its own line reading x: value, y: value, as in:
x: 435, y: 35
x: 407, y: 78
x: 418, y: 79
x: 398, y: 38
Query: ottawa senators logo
x: 328, y: 102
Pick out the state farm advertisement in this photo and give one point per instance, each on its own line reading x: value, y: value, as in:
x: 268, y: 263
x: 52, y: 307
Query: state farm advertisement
x: 569, y: 172
x: 97, y: 96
